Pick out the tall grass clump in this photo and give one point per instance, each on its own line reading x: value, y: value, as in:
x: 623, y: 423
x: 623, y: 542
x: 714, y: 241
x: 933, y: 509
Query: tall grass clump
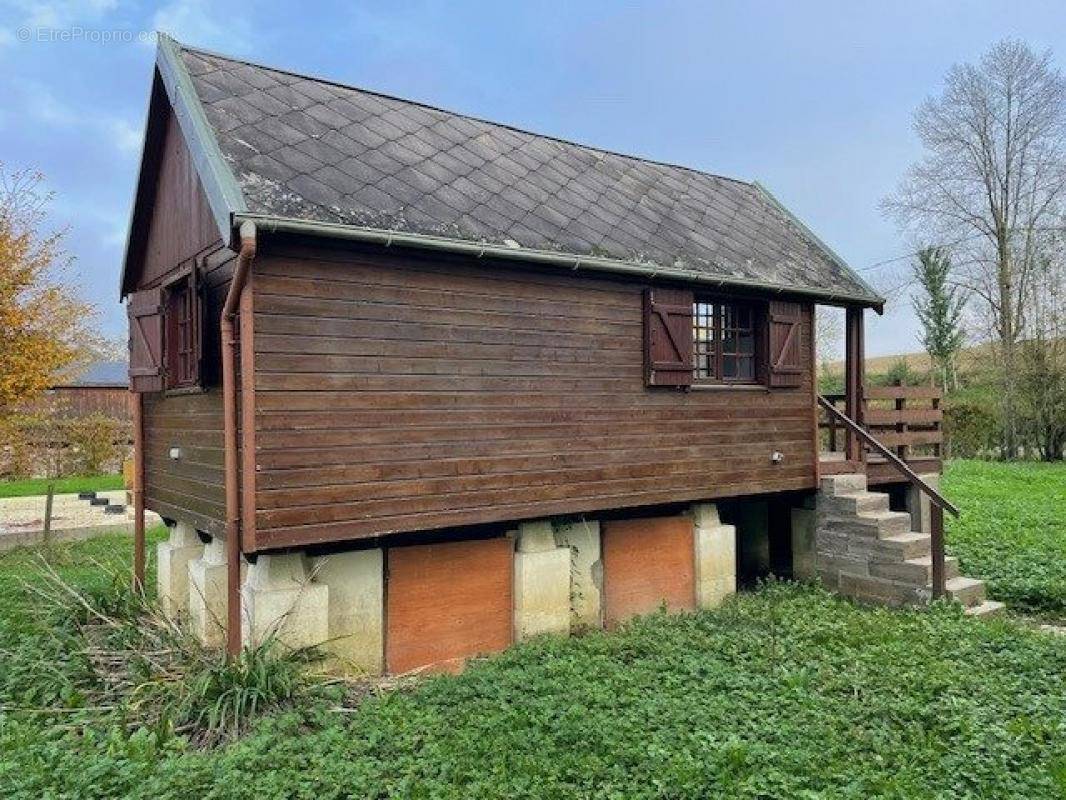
x: 113, y: 652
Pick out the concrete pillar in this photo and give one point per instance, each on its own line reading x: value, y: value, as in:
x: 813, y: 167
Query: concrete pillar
x: 541, y: 582
x: 582, y: 538
x: 918, y: 504
x: 356, y: 609
x: 173, y: 557
x: 207, y: 594
x: 716, y: 556
x: 804, y: 544
x: 278, y: 599
x: 753, y: 523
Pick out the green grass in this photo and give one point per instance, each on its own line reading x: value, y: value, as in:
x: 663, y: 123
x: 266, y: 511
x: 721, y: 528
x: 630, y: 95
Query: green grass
x: 84, y: 483
x: 784, y: 693
x: 1012, y: 531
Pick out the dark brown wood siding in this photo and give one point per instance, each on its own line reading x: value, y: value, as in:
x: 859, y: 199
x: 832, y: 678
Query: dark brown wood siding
x: 395, y: 393
x: 181, y: 225
x: 181, y: 233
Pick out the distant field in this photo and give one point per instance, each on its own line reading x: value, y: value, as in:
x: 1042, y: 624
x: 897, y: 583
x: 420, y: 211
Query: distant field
x: 970, y: 358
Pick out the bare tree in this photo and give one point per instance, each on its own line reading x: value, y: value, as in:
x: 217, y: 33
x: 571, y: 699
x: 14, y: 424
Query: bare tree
x: 993, y: 183
x: 1042, y: 357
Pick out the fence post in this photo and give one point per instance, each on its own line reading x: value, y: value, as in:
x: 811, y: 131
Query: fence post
x: 47, y: 532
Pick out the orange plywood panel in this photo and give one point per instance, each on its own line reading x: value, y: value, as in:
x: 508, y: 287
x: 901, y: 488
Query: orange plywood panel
x: 646, y: 563
x: 447, y: 602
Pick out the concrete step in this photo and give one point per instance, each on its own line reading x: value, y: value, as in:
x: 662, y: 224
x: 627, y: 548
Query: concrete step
x: 114, y: 508
x: 858, y: 503
x: 989, y: 608
x: 850, y: 483
x: 916, y: 571
x: 968, y: 591
x: 99, y: 501
x: 903, y: 546
x: 873, y: 525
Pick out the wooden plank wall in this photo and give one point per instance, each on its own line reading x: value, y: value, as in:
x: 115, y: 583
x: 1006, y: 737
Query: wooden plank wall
x: 397, y: 393
x: 181, y: 223
x: 181, y: 231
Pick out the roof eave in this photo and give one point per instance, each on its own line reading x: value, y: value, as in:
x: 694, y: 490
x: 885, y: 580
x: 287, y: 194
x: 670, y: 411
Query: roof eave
x: 273, y: 224
x: 224, y: 196
x: 879, y: 302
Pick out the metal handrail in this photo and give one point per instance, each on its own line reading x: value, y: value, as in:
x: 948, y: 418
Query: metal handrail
x: 938, y: 503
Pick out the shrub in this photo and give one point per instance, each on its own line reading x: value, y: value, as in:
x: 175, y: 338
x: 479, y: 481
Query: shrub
x: 97, y: 443
x: 971, y: 429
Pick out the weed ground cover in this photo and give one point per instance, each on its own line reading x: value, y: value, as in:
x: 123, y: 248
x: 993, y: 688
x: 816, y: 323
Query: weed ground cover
x: 785, y: 692
x: 1012, y: 532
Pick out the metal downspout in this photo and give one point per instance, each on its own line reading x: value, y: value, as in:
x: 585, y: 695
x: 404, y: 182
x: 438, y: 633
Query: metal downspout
x: 229, y: 424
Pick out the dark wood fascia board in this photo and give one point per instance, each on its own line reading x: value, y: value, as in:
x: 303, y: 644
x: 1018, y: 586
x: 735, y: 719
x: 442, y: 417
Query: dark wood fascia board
x: 171, y: 83
x: 270, y: 226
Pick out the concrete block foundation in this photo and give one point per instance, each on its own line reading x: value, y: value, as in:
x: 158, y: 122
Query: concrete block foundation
x: 279, y: 599
x: 582, y: 539
x: 918, y: 504
x: 716, y: 556
x: 207, y: 594
x: 173, y: 558
x: 804, y: 544
x: 356, y: 624
x: 541, y: 582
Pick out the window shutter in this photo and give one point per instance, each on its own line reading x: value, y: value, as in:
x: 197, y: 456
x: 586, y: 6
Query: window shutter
x: 785, y: 337
x: 145, y: 311
x: 197, y: 325
x: 668, y: 337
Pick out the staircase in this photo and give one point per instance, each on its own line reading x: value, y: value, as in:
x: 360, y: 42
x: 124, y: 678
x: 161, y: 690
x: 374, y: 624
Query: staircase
x: 868, y: 552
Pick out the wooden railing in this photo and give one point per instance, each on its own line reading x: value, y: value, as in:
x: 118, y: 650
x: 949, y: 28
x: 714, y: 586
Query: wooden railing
x: 938, y: 504
x: 907, y: 419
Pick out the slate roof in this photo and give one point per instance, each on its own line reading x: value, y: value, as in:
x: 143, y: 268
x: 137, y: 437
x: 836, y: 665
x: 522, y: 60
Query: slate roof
x: 310, y: 149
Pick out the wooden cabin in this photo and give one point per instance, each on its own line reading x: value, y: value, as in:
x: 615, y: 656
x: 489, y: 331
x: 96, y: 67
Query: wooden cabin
x: 424, y: 384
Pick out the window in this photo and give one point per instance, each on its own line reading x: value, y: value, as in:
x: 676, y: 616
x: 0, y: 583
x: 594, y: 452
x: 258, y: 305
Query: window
x: 182, y: 337
x: 724, y: 342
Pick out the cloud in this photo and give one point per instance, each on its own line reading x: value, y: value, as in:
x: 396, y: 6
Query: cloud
x: 43, y: 106
x: 126, y: 137
x: 196, y: 22
x: 63, y: 13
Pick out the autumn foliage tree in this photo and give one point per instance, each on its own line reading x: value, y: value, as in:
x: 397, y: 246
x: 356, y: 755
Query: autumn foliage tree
x: 46, y: 331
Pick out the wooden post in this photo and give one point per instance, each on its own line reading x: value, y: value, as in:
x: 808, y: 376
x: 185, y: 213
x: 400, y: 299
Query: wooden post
x: 853, y: 379
x: 936, y: 530
x: 901, y: 426
x: 137, y: 401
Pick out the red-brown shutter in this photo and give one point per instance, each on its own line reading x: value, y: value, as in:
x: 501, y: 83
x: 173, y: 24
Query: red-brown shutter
x: 145, y: 311
x: 668, y: 337
x: 196, y: 320
x: 785, y: 336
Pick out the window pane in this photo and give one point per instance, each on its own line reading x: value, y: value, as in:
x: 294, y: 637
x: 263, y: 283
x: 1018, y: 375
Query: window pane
x: 746, y: 368
x: 729, y: 367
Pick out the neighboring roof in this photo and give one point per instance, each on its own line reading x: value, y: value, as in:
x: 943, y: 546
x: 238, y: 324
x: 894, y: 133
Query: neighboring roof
x: 301, y: 153
x: 100, y: 375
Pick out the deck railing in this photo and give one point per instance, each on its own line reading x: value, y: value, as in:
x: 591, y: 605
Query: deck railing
x: 907, y: 419
x: 938, y: 504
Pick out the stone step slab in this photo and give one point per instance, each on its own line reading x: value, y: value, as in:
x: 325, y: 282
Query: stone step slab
x: 858, y: 503
x: 989, y: 608
x: 970, y: 592
x: 851, y: 483
x: 916, y: 571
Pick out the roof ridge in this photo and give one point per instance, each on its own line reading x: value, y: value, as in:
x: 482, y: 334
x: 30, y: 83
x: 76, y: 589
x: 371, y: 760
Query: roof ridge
x: 482, y: 120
